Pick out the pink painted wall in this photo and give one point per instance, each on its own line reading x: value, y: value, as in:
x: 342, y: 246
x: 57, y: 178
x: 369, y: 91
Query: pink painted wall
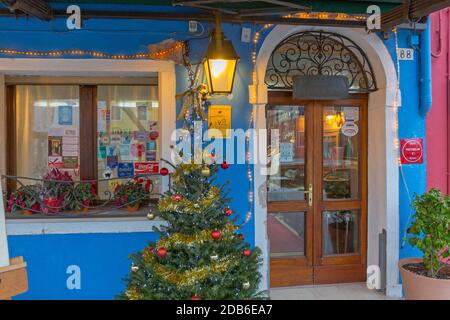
x: 438, y: 121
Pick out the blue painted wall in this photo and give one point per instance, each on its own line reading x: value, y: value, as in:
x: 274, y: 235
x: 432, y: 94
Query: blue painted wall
x: 103, y: 257
x: 411, y: 125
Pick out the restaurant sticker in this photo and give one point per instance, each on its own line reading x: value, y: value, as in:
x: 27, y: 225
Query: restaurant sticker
x: 411, y: 151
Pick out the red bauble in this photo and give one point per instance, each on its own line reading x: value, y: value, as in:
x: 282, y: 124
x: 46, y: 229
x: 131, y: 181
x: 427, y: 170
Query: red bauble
x: 164, y: 171
x: 216, y: 234
x: 225, y: 165
x: 162, y: 252
x: 196, y: 298
x: 228, y: 212
x: 246, y: 253
x: 177, y: 198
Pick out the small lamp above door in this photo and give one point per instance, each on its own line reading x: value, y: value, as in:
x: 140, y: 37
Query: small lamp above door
x: 220, y: 63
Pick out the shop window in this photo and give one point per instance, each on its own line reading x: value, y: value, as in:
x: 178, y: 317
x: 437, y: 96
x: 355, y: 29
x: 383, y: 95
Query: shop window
x: 127, y: 129
x: 104, y: 134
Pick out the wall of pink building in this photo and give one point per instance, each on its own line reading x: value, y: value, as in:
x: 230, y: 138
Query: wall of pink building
x: 438, y: 121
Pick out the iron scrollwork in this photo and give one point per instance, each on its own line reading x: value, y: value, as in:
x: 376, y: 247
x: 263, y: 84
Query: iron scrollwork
x: 313, y: 53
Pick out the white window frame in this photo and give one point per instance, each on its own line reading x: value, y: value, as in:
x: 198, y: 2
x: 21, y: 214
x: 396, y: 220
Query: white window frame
x: 88, y: 68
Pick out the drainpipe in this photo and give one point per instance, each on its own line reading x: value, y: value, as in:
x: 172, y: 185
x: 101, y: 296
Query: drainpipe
x: 426, y: 98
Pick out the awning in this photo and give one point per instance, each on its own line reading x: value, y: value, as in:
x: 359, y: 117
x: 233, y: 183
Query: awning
x: 351, y: 13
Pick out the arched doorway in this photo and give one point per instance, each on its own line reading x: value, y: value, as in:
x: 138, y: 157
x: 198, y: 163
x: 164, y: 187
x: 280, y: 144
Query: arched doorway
x: 317, y: 198
x: 382, y: 156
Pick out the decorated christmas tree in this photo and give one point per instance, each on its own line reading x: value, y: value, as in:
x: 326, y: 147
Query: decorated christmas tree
x: 200, y: 253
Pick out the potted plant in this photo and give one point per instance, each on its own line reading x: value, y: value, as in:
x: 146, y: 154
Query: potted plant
x: 132, y: 193
x: 26, y: 198
x: 58, y: 192
x: 428, y: 278
x: 84, y: 195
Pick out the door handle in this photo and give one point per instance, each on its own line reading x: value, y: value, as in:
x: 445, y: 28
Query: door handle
x: 310, y: 195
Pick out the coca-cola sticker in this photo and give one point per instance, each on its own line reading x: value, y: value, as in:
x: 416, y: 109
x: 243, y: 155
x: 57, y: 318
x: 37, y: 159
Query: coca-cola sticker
x: 146, y: 167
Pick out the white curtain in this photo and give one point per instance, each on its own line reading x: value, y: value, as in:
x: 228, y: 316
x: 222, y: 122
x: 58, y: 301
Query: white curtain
x: 36, y: 114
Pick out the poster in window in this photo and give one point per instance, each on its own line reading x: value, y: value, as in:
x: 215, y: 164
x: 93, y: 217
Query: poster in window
x: 70, y: 162
x: 65, y: 115
x: 112, y: 162
x: 219, y: 117
x: 150, y: 155
x: 125, y: 170
x: 102, y: 152
x: 54, y: 146
x: 55, y: 162
x: 286, y: 152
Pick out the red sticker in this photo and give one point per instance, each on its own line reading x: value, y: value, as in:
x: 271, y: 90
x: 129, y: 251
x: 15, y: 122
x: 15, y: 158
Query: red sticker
x: 411, y: 151
x: 146, y: 167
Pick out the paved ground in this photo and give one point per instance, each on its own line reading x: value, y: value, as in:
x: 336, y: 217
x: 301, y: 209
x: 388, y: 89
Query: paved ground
x: 354, y: 291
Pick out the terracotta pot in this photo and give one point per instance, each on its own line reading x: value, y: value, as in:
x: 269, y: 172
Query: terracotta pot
x: 134, y: 208
x: 417, y: 287
x: 82, y: 210
x: 27, y: 213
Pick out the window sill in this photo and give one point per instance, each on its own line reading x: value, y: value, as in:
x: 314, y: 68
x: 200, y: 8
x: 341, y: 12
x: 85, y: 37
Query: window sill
x: 38, y: 226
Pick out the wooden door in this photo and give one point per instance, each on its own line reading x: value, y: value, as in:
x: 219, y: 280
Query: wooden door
x: 317, y: 190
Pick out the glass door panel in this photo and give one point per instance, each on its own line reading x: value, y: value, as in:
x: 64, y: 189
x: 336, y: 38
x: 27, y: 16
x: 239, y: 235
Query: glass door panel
x: 340, y: 231
x: 287, y: 234
x: 341, y: 144
x: 288, y: 155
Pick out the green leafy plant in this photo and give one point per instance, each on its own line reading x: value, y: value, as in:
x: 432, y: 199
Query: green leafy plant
x: 83, y: 195
x: 430, y: 229
x: 133, y: 192
x: 24, y: 198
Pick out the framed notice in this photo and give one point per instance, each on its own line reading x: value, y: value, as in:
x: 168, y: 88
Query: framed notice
x: 219, y: 117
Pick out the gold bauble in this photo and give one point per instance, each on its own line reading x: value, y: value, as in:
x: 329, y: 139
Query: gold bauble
x: 151, y: 216
x: 206, y: 172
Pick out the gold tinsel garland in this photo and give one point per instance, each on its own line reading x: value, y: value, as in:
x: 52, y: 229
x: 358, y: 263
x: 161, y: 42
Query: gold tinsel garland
x: 192, y: 276
x: 133, y: 294
x: 186, y: 206
x: 198, y: 238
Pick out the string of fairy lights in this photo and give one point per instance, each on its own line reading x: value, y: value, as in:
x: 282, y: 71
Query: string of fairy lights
x: 76, y: 52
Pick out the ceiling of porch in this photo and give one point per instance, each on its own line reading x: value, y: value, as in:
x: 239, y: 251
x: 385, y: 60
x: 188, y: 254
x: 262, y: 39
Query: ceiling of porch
x: 350, y: 13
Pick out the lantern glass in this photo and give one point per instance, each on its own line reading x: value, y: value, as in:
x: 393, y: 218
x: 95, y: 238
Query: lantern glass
x: 220, y: 75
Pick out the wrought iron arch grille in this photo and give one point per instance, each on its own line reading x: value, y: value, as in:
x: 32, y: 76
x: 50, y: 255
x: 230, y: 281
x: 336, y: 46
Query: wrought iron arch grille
x: 312, y: 53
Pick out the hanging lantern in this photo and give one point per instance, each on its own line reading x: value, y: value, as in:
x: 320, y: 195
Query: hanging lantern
x: 220, y: 62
